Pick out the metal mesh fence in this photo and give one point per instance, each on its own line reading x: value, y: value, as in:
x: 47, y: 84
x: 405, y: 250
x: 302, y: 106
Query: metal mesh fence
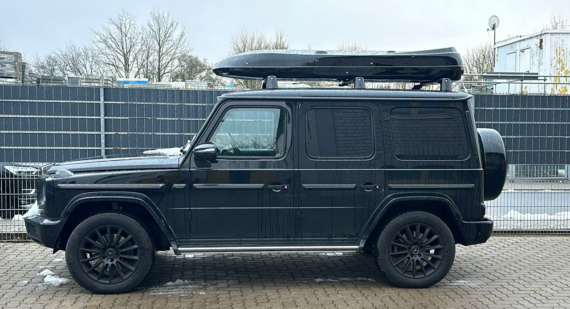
x: 61, y: 123
x: 535, y: 128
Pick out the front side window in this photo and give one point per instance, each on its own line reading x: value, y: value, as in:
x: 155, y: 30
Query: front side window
x: 251, y: 132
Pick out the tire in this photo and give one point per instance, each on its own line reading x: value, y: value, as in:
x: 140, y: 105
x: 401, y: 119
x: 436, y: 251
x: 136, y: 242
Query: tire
x: 112, y: 264
x: 494, y: 160
x: 412, y: 259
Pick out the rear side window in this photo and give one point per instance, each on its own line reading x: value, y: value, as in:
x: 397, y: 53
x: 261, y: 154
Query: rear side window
x: 428, y: 134
x: 339, y: 133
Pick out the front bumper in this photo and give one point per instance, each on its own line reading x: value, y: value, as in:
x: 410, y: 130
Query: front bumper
x: 476, y: 232
x: 43, y: 230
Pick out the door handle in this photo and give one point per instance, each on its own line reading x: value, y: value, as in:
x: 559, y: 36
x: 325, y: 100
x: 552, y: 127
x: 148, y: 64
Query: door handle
x: 278, y: 188
x: 369, y: 188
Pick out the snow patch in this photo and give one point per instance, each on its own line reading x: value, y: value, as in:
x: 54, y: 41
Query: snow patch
x: 332, y: 253
x: 55, y: 280
x: 189, y: 256
x: 319, y: 280
x: 178, y: 282
x: 58, y: 260
x: 46, y: 272
x: 51, y: 278
x: 49, y: 222
x: 18, y: 218
x: 34, y: 211
x: 514, y: 220
x: 163, y: 151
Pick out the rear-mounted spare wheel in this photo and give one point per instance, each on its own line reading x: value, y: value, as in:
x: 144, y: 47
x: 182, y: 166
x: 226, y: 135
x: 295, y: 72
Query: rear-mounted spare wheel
x: 494, y: 159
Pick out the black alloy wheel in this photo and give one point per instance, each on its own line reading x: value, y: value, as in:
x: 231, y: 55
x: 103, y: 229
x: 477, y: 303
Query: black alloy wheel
x: 109, y: 253
x: 415, y: 250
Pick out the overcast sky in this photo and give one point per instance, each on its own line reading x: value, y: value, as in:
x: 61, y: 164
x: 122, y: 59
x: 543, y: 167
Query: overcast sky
x: 39, y: 27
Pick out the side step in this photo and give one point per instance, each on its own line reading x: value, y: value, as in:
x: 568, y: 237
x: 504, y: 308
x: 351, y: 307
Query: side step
x: 266, y: 248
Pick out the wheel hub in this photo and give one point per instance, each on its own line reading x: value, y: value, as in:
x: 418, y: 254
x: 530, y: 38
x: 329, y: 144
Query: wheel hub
x: 415, y: 250
x: 110, y: 253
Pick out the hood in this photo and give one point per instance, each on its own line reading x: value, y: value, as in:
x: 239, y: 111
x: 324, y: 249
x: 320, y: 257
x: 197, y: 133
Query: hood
x: 136, y: 163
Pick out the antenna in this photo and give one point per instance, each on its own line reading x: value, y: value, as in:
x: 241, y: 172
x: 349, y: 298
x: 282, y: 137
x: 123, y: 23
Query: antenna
x: 493, y: 25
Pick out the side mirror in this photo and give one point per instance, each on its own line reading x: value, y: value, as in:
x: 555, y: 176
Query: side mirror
x: 206, y: 152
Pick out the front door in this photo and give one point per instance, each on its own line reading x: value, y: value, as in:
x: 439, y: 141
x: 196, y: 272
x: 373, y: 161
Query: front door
x: 247, y: 194
x: 341, y: 167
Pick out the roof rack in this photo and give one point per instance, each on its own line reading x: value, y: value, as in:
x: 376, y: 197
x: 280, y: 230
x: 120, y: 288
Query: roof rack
x: 347, y: 67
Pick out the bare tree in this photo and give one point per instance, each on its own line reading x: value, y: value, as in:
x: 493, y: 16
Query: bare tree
x: 351, y: 46
x: 478, y: 60
x: 80, y: 60
x: 557, y: 22
x: 49, y: 65
x: 120, y: 45
x: 190, y: 67
x: 245, y: 41
x: 167, y: 41
x: 3, y: 47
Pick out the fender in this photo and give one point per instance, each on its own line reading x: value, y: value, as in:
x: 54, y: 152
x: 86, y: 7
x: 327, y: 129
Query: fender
x: 391, y: 199
x: 131, y: 197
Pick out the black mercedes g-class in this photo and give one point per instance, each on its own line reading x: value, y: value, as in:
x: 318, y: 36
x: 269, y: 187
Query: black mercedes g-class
x: 399, y: 174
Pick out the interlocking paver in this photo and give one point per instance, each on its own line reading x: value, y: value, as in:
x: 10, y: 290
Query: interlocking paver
x: 506, y: 272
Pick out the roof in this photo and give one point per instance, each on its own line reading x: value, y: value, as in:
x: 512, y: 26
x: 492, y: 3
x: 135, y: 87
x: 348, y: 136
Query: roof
x: 346, y: 93
x: 519, y: 38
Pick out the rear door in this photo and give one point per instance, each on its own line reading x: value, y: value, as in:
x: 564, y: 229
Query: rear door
x: 341, y: 175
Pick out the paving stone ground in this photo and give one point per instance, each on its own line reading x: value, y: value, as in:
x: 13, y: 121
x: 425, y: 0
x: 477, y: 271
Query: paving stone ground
x: 506, y: 272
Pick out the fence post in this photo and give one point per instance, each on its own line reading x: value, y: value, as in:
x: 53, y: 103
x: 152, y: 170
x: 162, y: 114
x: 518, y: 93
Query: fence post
x: 102, y: 115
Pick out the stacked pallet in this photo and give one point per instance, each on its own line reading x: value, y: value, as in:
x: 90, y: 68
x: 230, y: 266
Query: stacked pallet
x: 10, y: 67
x: 29, y: 77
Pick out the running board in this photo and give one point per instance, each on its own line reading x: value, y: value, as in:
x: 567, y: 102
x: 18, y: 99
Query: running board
x: 265, y: 248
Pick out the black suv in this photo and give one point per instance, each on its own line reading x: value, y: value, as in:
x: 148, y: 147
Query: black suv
x: 399, y: 174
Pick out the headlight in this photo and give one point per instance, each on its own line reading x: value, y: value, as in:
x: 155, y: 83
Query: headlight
x: 18, y: 170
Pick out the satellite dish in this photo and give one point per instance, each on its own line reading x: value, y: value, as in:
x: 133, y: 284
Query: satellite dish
x: 493, y: 22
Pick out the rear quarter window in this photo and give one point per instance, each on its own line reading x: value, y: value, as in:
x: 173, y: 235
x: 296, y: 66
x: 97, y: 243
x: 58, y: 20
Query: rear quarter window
x: 420, y: 133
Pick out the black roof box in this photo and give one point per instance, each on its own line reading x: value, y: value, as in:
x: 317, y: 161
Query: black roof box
x: 420, y: 66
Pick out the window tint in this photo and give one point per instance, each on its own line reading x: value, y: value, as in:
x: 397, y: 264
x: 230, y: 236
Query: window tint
x: 428, y: 134
x: 251, y: 132
x: 339, y: 133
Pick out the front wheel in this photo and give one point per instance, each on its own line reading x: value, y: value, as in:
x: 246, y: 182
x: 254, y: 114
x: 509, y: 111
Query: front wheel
x: 415, y: 250
x: 109, y: 253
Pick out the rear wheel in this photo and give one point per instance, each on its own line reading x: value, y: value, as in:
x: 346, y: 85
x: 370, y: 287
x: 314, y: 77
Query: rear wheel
x: 109, y: 253
x: 415, y: 250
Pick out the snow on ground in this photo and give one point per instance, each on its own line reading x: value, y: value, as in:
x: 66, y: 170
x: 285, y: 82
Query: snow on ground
x: 320, y: 280
x: 515, y: 220
x: 178, y: 282
x: 46, y: 272
x: 55, y: 280
x: 331, y: 253
x: 52, y: 279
